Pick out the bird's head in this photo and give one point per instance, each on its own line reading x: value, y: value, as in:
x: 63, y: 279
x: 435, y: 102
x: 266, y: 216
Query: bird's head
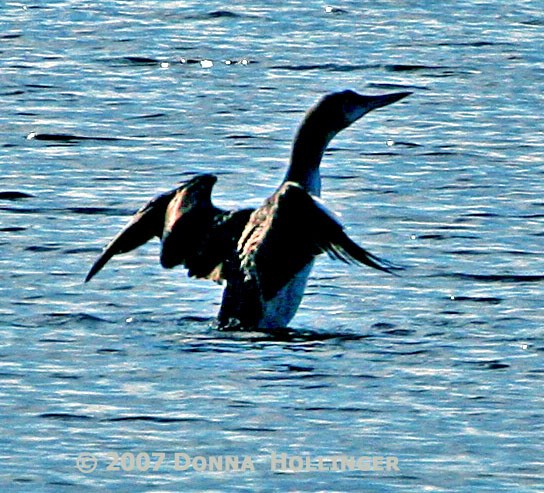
x: 339, y: 110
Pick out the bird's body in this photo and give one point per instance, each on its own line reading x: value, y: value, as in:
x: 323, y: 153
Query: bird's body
x: 263, y: 256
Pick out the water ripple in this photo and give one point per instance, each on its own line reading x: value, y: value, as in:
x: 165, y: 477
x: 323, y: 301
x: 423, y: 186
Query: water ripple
x: 440, y: 367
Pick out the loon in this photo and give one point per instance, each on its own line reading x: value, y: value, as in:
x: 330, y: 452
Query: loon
x: 263, y: 256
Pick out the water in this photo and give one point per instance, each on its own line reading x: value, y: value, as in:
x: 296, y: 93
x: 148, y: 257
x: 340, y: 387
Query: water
x: 440, y: 368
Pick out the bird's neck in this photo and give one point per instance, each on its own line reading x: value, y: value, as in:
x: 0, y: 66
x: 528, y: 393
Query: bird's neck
x: 310, y: 143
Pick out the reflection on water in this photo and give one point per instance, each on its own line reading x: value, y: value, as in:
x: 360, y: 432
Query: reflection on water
x: 105, y: 106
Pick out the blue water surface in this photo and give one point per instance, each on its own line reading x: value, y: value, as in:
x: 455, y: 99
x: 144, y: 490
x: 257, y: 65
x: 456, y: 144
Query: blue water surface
x: 106, y: 104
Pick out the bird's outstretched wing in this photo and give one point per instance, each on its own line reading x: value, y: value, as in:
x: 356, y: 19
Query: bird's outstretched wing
x: 287, y: 232
x: 193, y: 232
x: 147, y: 223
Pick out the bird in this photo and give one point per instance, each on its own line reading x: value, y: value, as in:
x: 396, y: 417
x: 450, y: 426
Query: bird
x: 262, y: 256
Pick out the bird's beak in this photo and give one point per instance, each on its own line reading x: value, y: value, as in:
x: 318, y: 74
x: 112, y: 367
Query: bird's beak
x: 386, y: 99
x: 369, y: 103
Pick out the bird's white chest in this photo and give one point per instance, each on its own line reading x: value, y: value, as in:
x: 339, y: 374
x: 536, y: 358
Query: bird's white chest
x: 280, y: 310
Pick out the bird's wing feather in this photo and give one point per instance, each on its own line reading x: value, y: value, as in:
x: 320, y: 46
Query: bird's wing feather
x: 287, y: 232
x: 142, y: 227
x: 193, y: 232
x: 204, y: 242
